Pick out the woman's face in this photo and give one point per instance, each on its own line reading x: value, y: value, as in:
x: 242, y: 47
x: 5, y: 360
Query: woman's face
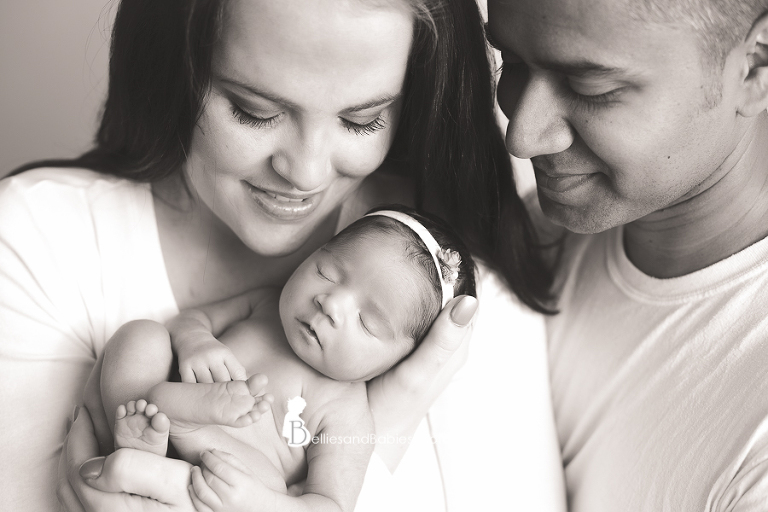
x: 305, y: 97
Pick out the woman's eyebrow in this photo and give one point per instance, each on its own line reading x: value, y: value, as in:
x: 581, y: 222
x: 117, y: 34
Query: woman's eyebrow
x: 275, y: 98
x: 383, y: 100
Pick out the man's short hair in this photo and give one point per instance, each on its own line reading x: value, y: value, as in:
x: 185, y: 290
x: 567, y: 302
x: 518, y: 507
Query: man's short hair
x: 720, y: 24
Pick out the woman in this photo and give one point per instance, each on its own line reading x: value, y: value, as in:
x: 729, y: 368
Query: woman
x: 259, y: 126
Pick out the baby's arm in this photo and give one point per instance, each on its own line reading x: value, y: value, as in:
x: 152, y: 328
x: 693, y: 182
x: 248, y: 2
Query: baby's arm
x: 337, y: 465
x: 202, y: 358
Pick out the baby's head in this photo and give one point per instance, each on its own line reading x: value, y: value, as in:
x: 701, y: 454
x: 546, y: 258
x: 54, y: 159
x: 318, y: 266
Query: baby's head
x: 364, y: 300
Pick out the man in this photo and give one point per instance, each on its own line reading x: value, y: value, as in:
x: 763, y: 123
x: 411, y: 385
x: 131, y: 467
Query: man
x: 646, y: 124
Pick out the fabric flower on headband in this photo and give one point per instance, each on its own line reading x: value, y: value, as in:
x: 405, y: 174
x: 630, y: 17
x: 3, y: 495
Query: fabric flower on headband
x: 449, y: 263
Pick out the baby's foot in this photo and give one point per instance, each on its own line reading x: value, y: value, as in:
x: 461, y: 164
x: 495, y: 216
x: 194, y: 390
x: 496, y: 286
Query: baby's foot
x: 139, y: 425
x: 235, y: 404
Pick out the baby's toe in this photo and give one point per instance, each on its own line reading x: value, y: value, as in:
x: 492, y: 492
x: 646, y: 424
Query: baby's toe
x: 161, y: 423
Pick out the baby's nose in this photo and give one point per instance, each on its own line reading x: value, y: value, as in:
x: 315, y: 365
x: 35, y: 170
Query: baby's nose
x: 335, y: 306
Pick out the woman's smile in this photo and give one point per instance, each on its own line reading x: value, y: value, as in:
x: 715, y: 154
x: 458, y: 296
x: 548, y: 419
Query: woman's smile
x: 283, y: 207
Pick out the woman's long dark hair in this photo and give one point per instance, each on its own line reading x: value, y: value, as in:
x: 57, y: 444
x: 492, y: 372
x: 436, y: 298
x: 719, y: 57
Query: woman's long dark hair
x: 447, y: 138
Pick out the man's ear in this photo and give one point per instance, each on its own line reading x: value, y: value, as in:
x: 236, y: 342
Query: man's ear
x: 755, y: 85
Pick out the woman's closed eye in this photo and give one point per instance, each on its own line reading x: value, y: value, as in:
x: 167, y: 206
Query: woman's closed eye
x: 253, y: 120
x: 368, y: 128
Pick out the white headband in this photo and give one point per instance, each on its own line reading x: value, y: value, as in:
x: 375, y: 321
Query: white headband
x: 449, y: 257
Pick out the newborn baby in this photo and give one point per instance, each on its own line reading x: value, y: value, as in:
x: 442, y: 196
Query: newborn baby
x: 351, y: 311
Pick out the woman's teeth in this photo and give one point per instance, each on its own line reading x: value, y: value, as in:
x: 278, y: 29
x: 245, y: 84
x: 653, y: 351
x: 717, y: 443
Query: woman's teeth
x: 284, y: 199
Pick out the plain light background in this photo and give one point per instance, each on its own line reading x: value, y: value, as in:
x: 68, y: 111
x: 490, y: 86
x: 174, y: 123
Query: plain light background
x: 53, y: 79
x: 53, y: 76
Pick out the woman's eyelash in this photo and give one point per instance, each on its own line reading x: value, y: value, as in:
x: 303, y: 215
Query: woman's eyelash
x: 247, y: 119
x: 367, y: 128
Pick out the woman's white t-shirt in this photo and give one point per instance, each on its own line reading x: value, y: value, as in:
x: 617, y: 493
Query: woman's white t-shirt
x: 80, y: 256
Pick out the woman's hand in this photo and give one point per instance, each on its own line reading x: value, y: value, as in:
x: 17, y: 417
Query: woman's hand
x: 400, y: 398
x: 127, y: 480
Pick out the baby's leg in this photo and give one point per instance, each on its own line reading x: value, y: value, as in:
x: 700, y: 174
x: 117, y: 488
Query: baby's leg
x: 136, y: 358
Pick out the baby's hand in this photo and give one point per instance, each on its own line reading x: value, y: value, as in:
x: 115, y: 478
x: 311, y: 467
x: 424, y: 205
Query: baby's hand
x: 223, y: 483
x: 203, y: 358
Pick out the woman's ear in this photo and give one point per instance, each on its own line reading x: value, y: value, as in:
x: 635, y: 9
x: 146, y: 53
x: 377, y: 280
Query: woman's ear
x: 755, y: 85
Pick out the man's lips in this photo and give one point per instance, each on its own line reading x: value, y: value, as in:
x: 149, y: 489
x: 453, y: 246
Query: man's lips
x: 561, y: 182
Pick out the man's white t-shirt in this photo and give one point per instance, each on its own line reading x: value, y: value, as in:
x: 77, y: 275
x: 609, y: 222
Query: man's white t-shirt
x: 660, y: 386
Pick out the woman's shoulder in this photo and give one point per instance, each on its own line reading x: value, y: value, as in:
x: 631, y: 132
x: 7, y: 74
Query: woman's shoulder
x: 68, y: 198
x: 38, y: 181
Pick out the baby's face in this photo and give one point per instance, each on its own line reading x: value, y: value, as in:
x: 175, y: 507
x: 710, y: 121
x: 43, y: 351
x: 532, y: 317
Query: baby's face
x: 347, y: 308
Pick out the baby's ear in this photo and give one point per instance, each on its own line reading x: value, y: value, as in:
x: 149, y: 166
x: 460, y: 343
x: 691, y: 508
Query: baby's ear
x: 755, y: 86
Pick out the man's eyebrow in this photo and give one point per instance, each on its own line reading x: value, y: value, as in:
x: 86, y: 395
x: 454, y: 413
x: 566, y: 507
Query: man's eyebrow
x: 582, y: 69
x: 276, y: 98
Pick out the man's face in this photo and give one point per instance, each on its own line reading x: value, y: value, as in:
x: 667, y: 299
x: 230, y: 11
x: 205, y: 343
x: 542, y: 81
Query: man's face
x: 616, y: 114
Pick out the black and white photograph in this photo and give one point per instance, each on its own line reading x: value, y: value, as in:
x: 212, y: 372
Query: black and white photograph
x: 384, y: 255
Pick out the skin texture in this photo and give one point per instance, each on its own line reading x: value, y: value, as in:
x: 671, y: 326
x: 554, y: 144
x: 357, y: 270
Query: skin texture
x: 358, y: 298
x: 615, y: 115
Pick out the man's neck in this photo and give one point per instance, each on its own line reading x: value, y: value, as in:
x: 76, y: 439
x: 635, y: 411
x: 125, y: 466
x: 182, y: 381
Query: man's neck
x: 728, y: 216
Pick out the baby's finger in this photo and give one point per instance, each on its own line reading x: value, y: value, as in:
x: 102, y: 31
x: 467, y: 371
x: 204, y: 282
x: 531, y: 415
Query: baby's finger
x: 236, y: 370
x: 203, y: 490
x: 229, y: 459
x: 219, y: 486
x: 221, y: 469
x: 203, y: 374
x: 187, y: 374
x: 220, y: 373
x: 199, y: 505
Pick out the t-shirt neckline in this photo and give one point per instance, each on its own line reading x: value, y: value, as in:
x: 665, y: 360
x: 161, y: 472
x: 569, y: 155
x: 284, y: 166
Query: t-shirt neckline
x: 708, y: 281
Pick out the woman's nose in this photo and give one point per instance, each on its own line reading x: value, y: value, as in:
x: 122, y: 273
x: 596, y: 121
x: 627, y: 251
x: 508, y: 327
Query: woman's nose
x: 304, y: 159
x: 537, y: 125
x: 336, y: 305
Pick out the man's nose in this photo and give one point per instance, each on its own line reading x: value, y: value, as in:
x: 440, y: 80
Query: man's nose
x: 537, y: 122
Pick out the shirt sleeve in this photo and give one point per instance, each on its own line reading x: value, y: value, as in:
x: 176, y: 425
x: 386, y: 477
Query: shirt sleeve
x: 743, y: 486
x: 46, y: 351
